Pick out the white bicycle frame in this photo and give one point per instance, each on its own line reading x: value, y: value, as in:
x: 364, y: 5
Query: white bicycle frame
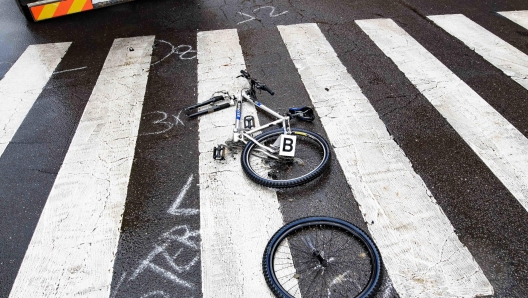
x: 242, y: 134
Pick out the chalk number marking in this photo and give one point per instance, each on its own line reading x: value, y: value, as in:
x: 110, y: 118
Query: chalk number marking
x: 163, y: 122
x: 184, y: 51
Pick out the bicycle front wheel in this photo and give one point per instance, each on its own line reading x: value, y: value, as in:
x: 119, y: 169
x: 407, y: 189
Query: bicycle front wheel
x: 321, y: 257
x: 312, y: 156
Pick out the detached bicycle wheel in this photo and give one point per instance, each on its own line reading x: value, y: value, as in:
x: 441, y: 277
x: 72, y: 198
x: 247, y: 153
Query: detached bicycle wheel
x: 312, y: 156
x: 321, y: 257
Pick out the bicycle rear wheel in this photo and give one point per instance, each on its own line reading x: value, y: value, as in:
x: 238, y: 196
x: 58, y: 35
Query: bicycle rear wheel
x: 312, y: 156
x: 321, y: 257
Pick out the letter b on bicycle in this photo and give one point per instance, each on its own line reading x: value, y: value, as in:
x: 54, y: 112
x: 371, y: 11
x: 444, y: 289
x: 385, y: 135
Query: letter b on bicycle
x: 287, y: 145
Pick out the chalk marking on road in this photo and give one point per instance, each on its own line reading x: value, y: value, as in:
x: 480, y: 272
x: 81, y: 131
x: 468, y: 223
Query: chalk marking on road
x: 70, y: 70
x: 166, y: 124
x: 182, y: 53
x: 251, y: 18
x: 23, y: 83
x: 164, y: 262
x: 157, y: 294
x: 237, y: 216
x: 171, y: 237
x: 172, y: 51
x: 74, y: 244
x: 116, y: 290
x: 496, y: 51
x: 520, y: 17
x: 272, y: 13
x: 177, y: 119
x: 420, y: 249
x: 496, y: 141
x: 176, y: 50
x: 175, y: 208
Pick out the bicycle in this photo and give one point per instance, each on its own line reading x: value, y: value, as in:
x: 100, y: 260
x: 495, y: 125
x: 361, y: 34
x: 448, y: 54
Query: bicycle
x: 278, y: 158
x: 321, y: 257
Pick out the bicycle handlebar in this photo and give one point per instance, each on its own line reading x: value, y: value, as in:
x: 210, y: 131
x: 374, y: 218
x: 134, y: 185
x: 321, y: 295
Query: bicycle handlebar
x: 254, y: 83
x: 265, y: 88
x: 245, y: 74
x: 213, y: 108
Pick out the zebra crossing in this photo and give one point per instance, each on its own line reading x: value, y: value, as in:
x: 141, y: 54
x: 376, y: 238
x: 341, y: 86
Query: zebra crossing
x: 421, y: 251
x: 381, y: 177
x: 230, y: 263
x: 519, y: 17
x: 23, y: 84
x: 82, y: 215
x: 498, y: 143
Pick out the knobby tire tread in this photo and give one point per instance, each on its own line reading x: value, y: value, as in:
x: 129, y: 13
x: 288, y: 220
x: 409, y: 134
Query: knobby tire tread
x: 267, y: 258
x: 292, y: 182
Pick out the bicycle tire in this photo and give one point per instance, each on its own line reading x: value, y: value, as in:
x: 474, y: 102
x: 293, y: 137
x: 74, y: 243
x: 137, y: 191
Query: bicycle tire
x: 302, y: 268
x: 312, y: 157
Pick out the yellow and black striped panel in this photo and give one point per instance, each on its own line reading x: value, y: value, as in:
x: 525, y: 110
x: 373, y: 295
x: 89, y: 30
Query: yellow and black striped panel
x: 57, y: 9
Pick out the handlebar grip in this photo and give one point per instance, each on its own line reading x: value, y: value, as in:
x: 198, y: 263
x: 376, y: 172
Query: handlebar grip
x: 245, y: 74
x: 265, y: 88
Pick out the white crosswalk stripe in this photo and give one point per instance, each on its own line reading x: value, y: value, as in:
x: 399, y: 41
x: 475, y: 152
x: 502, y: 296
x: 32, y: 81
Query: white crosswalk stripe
x: 498, y: 143
x: 74, y: 244
x: 237, y: 217
x: 504, y: 56
x: 24, y: 82
x: 390, y: 194
x: 520, y: 17
x: 420, y: 250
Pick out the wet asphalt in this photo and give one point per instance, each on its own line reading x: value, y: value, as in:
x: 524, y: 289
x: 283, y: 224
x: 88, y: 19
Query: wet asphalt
x: 486, y: 217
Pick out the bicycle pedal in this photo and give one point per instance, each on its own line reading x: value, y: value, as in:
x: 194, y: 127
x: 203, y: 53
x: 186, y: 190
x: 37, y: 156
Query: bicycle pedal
x: 219, y: 152
x: 249, y: 122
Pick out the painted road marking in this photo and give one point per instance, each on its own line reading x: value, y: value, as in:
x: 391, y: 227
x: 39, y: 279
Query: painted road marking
x: 237, y: 216
x: 74, y: 244
x: 497, y: 142
x: 520, y: 17
x: 175, y: 207
x: 23, y: 83
x: 502, y: 55
x: 420, y: 250
x: 70, y: 70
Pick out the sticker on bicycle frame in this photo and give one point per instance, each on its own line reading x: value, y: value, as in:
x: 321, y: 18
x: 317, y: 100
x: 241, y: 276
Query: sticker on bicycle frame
x: 287, y: 145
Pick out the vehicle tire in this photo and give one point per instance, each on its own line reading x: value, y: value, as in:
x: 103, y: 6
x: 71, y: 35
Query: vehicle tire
x: 321, y: 257
x: 312, y: 157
